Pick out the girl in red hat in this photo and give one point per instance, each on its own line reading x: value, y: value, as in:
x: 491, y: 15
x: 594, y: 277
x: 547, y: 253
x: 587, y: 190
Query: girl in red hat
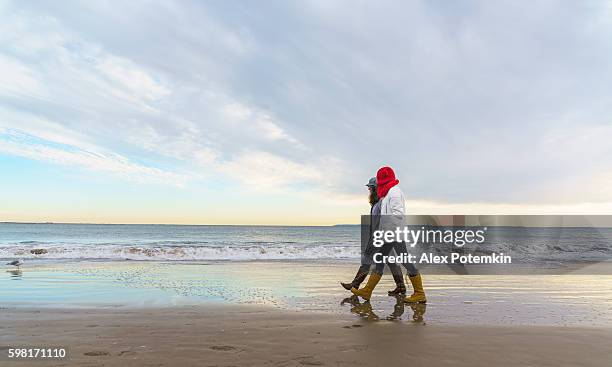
x: 392, y: 205
x: 366, y: 257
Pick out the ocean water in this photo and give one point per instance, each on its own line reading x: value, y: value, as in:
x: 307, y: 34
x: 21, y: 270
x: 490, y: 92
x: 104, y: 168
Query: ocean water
x: 178, y: 242
x: 240, y: 243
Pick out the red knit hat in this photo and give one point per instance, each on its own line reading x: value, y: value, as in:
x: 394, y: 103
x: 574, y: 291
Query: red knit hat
x: 385, y: 179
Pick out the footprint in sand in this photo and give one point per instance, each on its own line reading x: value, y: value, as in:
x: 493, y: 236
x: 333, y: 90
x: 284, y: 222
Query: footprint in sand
x: 352, y: 348
x: 309, y: 361
x: 97, y: 353
x: 224, y: 348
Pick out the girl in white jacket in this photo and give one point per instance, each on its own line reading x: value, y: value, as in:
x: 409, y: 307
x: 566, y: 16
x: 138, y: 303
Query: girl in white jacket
x: 392, y: 211
x: 366, y: 257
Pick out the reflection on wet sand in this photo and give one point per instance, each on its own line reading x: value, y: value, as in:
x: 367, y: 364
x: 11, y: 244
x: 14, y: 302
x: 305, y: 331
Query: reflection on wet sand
x: 418, y: 311
x: 15, y: 274
x: 571, y: 300
x: 365, y: 311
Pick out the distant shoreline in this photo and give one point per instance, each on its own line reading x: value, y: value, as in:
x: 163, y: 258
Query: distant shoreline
x: 569, y: 226
x: 186, y: 225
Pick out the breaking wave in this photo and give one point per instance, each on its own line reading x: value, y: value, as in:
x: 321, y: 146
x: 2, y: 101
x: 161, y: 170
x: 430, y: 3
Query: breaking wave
x: 185, y: 252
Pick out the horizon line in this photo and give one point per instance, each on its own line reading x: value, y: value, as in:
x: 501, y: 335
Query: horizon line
x: 183, y: 224
x: 301, y: 225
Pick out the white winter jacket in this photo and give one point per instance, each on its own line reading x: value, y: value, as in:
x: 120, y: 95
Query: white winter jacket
x: 394, y: 202
x: 393, y: 209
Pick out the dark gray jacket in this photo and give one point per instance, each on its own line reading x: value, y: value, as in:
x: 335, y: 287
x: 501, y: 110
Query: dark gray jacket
x: 374, y: 224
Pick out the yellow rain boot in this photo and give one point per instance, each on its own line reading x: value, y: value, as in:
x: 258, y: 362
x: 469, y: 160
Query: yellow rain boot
x: 418, y: 296
x: 366, y: 292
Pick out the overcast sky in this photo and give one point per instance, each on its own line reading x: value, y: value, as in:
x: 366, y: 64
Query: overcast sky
x: 280, y: 111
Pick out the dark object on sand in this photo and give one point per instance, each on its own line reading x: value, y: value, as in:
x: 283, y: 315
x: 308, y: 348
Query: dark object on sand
x: 16, y: 263
x: 38, y: 251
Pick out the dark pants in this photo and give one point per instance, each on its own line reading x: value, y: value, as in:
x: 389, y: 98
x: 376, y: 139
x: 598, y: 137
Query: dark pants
x: 395, y: 269
x: 366, y: 263
x: 400, y: 248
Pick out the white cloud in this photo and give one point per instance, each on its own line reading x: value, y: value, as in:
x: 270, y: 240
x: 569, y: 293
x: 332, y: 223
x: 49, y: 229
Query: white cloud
x: 264, y: 170
x: 28, y: 146
x: 260, y: 122
x: 475, y: 103
x: 272, y: 131
x: 17, y: 79
x: 124, y: 73
x: 236, y: 111
x: 35, y: 125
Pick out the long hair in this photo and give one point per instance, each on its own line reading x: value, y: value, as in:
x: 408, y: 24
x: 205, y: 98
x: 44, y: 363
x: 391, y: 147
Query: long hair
x: 373, y: 197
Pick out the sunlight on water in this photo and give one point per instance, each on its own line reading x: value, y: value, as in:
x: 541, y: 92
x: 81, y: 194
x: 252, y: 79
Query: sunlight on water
x: 486, y: 299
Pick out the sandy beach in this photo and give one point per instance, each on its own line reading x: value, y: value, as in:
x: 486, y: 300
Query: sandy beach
x: 264, y: 336
x: 294, y: 314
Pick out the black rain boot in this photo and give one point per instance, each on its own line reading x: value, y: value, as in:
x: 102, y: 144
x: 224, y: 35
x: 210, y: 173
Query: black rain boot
x: 359, y: 278
x: 400, y: 287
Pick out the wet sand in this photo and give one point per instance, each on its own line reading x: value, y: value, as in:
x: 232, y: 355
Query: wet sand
x: 266, y: 336
x: 544, y: 300
x: 296, y: 314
